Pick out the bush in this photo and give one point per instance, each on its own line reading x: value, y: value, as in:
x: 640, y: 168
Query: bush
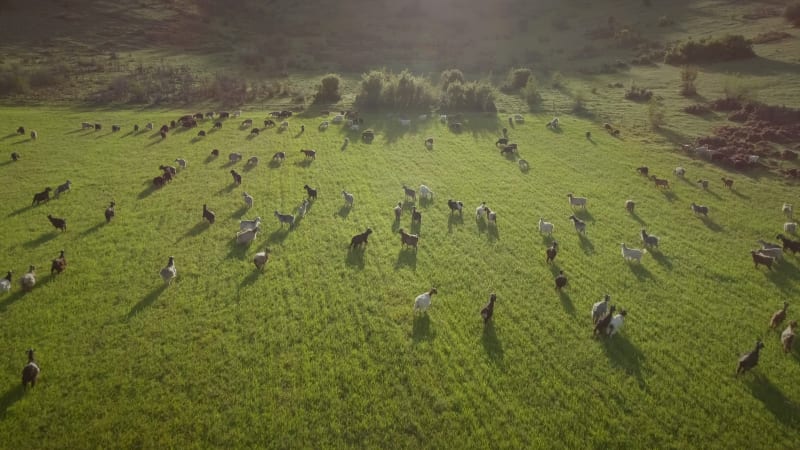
x: 688, y: 76
x: 530, y: 93
x: 13, y: 81
x: 697, y: 110
x: 655, y: 113
x: 727, y: 48
x: 404, y: 91
x: 517, y: 79
x: 450, y: 76
x: 736, y: 88
x: 469, y: 96
x: 638, y: 94
x: 328, y: 89
x: 792, y: 13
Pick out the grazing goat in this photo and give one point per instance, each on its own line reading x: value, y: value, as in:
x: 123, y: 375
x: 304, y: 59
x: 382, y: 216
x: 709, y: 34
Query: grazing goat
x: 600, y: 309
x: 247, y: 236
x: 410, y: 193
x: 423, y: 301
x: 235, y: 157
x: 502, y: 141
x: 34, y: 135
x: 776, y: 253
x: 169, y: 272
x: 59, y: 223
x: 303, y: 208
x: 790, y: 227
x: 214, y: 153
x: 758, y: 258
x: 255, y: 131
x: 21, y: 130
x: 491, y: 217
x: 630, y: 205
x: 237, y: 177
x: 410, y: 240
x: 518, y: 118
x: 577, y: 201
x: 360, y: 239
x: 545, y: 227
x: 787, y: 210
x: 455, y: 206
x: 416, y: 216
x: 552, y: 252
x: 181, y: 162
x: 700, y: 209
x: 149, y: 126
x: 616, y: 323
x: 109, y: 213
x: 425, y: 191
x: 787, y: 337
x: 429, y: 142
x: 643, y: 170
x: 261, y: 258
x: 660, y: 182
x: 43, y: 196
x: 279, y: 156
x: 348, y: 198
x: 480, y: 210
x: 649, y: 240
x: 218, y: 125
x: 312, y: 193
x: 788, y: 244
x: 727, y: 182
x: 580, y: 226
x: 779, y: 316
x: 158, y: 182
x: 749, y: 360
x: 15, y: 156
x: 63, y: 188
x: 523, y: 165
x: 632, y: 253
x: 703, y: 183
x: 168, y: 169
x: 30, y: 373
x: 679, y: 172
x: 208, y: 214
x: 602, y: 323
x: 247, y: 123
x: 252, y: 161
x: 248, y: 199
x: 309, y: 154
x: 561, y: 280
x: 249, y: 224
x: 5, y: 283
x: 398, y: 211
x: 285, y: 219
x: 86, y: 126
x: 28, y: 281
x: 59, y: 264
x: 488, y: 311
x: 553, y: 124
x: 115, y: 128
x: 323, y: 125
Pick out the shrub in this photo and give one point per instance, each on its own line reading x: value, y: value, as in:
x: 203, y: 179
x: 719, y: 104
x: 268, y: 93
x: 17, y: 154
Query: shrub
x: 13, y: 81
x: 727, y: 48
x: 736, y: 88
x: 450, y: 76
x: 688, y: 76
x: 405, y: 91
x: 328, y: 89
x: 469, y: 96
x: 517, y: 79
x: 530, y: 93
x: 792, y: 13
x: 655, y: 113
x: 697, y: 110
x: 638, y: 94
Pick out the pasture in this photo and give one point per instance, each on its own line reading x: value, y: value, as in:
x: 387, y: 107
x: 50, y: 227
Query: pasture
x: 322, y: 349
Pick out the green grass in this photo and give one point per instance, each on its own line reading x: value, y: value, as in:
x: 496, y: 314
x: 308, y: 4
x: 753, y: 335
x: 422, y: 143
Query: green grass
x: 322, y: 350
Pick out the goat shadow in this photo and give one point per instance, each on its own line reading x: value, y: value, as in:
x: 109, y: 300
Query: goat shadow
x: 228, y: 189
x: 146, y: 301
x: 5, y: 163
x: 344, y: 211
x: 196, y: 230
x: 196, y: 139
x: 454, y: 220
x: 251, y: 278
x: 210, y: 158
x: 395, y: 225
x: 147, y: 191
x: 710, y: 224
x: 21, y: 210
x: 583, y: 214
x: 278, y: 236
x: 47, y: 237
x: 8, y: 301
x: 11, y: 396
x: 425, y: 201
x: 239, y: 212
x: 638, y: 219
x: 274, y: 164
x: 776, y: 402
x: 11, y: 135
x: 669, y: 195
x: 237, y: 250
x: 155, y: 143
x: 355, y: 258
x: 93, y: 229
x: 482, y: 226
x: 421, y: 328
x: 566, y: 302
x: 660, y: 258
x: 740, y: 195
x: 586, y: 244
x: 304, y: 163
x: 249, y: 167
x: 784, y: 276
x: 415, y: 227
x: 624, y: 355
x: 491, y: 345
x: 639, y: 270
x: 406, y: 257
x: 493, y: 232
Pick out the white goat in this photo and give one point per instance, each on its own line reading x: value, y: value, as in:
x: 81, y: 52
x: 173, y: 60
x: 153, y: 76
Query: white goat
x: 788, y: 210
x: 245, y: 225
x: 348, y: 198
x: 355, y: 127
x: 248, y: 199
x: 679, y: 171
x: 323, y: 125
x: 545, y: 227
x: 425, y: 191
x: 518, y: 118
x: 247, y: 236
x: 423, y: 301
x: 480, y: 210
x: 616, y: 323
x: 790, y: 227
x: 632, y: 253
x: 577, y: 201
x: 443, y: 118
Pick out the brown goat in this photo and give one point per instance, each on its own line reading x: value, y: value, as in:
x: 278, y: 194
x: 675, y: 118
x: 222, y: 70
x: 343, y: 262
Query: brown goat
x: 727, y: 182
x: 660, y: 182
x: 787, y: 337
x: 758, y: 258
x: 310, y: 154
x: 60, y: 224
x: 208, y: 214
x: 43, y: 196
x: 30, y: 373
x: 59, y: 264
x: 779, y: 316
x: 410, y: 240
x: 360, y: 239
x: 552, y: 252
x: 237, y: 177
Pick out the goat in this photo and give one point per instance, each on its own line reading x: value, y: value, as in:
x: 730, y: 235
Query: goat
x: 43, y: 196
x: 416, y: 216
x: 237, y: 177
x: 429, y: 142
x: 679, y: 172
x: 700, y: 209
x: 269, y: 123
x: 545, y: 227
x: 348, y: 198
x: 779, y: 316
x: 249, y: 224
x: 158, y: 182
x: 643, y: 170
x: 360, y: 239
x: 649, y: 240
x: 58, y: 223
x: 577, y: 201
x: 768, y: 245
x: 553, y: 124
x: 580, y: 226
x: 787, y: 210
x: 309, y: 154
x: 703, y: 183
x: 303, y: 208
x: 247, y: 123
x: 247, y: 236
x: 5, y: 283
x: 34, y: 135
x: 235, y: 157
x: 758, y: 258
x: 255, y: 131
x: 248, y: 199
x: 410, y: 193
x: 208, y: 214
x: 776, y: 253
x: 261, y: 258
x: 109, y: 213
x: 59, y: 264
x: 218, y: 125
x: 323, y: 125
x: 788, y: 244
x: 727, y: 182
x: 169, y: 272
x: 616, y: 323
x: 28, y: 281
x: 749, y: 360
x: 148, y: 126
x: 312, y: 193
x: 660, y: 182
x: 425, y: 191
x: 790, y: 227
x: 787, y: 337
x: 279, y: 156
x: 21, y: 130
x: 602, y: 324
x: 561, y: 280
x: 518, y: 118
x: 63, y: 188
x: 455, y: 206
x: 215, y: 153
x: 30, y: 373
x: 600, y: 309
x: 410, y: 240
x: 508, y: 150
x: 15, y: 156
x: 480, y: 210
x: 502, y: 141
x: 552, y: 252
x: 398, y: 211
x: 86, y: 126
x: 632, y: 253
x: 423, y: 301
x: 181, y: 162
x: 285, y: 219
x: 168, y: 169
x: 252, y: 161
x: 629, y: 206
x: 488, y: 311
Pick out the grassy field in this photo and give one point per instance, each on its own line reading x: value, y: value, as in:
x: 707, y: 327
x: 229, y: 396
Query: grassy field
x: 323, y: 350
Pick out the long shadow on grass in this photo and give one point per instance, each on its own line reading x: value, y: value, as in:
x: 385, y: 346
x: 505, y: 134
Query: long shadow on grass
x: 421, y: 329
x: 34, y: 243
x: 669, y: 195
x: 711, y: 225
x: 210, y: 158
x: 227, y: 189
x: 11, y: 396
x: 661, y: 259
x: 11, y: 135
x: 494, y: 233
x: 93, y: 229
x: 586, y: 244
x: 740, y: 195
x: 20, y: 211
x: 147, y: 191
x: 639, y: 270
x: 776, y: 402
x: 355, y: 258
x: 638, y: 219
x: 251, y: 278
x: 8, y: 301
x: 785, y: 276
x: 482, y: 226
x: 146, y: 301
x: 584, y: 214
x: 278, y: 236
x: 5, y: 163
x: 237, y: 250
x: 491, y: 345
x: 343, y: 212
x: 566, y: 302
x: 239, y: 212
x: 196, y: 230
x: 406, y: 258
x: 624, y: 355
x: 454, y: 220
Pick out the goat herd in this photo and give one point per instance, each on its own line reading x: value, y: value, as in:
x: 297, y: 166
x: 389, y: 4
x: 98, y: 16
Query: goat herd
x: 605, y: 321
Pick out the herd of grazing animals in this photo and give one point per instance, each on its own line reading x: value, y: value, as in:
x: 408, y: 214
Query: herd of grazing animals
x: 605, y: 322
